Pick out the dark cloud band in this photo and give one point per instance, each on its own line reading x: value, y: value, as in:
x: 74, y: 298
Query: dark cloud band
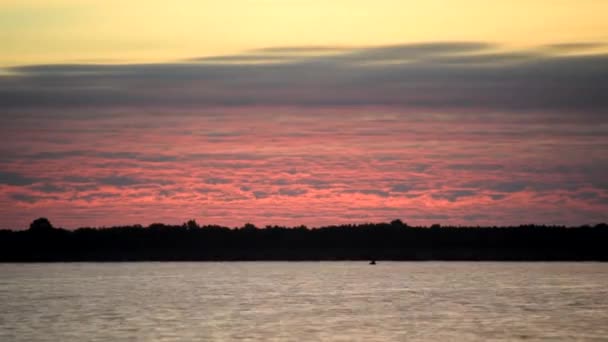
x: 434, y: 75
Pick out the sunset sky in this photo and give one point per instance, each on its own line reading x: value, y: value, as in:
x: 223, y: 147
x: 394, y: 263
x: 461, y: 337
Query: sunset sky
x: 292, y: 112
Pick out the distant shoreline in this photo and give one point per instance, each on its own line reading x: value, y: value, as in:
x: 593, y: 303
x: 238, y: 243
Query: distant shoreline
x: 365, y: 262
x: 395, y: 241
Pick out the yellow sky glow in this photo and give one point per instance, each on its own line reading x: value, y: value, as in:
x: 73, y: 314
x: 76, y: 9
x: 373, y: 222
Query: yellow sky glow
x: 118, y: 31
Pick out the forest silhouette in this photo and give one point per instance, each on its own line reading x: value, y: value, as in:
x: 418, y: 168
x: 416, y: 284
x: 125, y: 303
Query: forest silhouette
x: 371, y: 241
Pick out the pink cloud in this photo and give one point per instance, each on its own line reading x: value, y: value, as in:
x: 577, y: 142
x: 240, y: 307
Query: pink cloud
x: 294, y: 166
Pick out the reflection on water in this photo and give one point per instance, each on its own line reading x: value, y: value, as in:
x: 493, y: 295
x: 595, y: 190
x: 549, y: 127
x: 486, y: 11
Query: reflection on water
x: 328, y: 301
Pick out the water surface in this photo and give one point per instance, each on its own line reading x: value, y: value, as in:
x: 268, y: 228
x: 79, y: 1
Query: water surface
x: 304, y: 301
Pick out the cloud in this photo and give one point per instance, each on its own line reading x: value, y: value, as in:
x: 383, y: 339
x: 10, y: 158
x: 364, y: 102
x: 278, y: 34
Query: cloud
x: 243, y: 59
x: 409, y: 52
x: 29, y: 198
x: 433, y: 75
x: 206, y: 190
x: 48, y: 188
x: 512, y: 186
x: 77, y: 179
x: 475, y: 167
x: 119, y: 181
x: 161, y: 150
x: 95, y: 196
x: 217, y: 180
x: 315, y: 183
x: 502, y: 186
x: 596, y: 197
x: 375, y: 192
x: 291, y: 192
x: 11, y: 178
x: 62, y: 155
x: 25, y: 198
x: 402, y: 187
x: 260, y: 194
x: 453, y: 195
x: 573, y: 47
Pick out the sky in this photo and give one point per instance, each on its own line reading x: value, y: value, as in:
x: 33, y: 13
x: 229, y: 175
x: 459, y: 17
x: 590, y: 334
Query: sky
x: 295, y: 112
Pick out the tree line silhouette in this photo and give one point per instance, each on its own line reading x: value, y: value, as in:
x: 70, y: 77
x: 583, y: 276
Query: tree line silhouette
x: 380, y: 241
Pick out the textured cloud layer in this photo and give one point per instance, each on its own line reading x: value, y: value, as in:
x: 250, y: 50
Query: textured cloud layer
x: 310, y: 166
x: 455, y: 133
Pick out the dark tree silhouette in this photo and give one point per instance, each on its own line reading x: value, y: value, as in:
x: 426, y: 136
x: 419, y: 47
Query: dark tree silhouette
x: 191, y: 224
x: 382, y: 241
x: 397, y: 223
x: 41, y: 225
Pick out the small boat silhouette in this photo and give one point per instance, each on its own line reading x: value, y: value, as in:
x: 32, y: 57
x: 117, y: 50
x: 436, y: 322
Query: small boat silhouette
x: 373, y: 262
